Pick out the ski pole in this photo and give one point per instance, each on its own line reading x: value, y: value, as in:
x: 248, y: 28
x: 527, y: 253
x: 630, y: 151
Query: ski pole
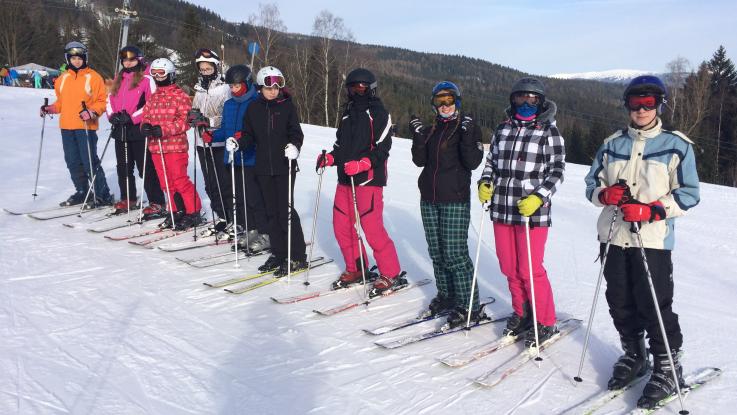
x: 636, y: 226
x: 206, y: 173
x: 245, y: 201
x: 578, y: 378
x: 314, y: 220
x: 172, y: 203
x: 40, y: 147
x: 484, y: 209
x: 289, y: 223
x: 357, y: 224
x: 231, y: 160
x: 99, y: 166
x: 89, y: 157
x: 194, y: 174
x: 532, y: 288
x: 127, y: 172
x: 143, y: 179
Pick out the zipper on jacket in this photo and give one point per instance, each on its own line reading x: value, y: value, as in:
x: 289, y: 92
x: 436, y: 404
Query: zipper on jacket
x: 514, y: 146
x: 437, y: 165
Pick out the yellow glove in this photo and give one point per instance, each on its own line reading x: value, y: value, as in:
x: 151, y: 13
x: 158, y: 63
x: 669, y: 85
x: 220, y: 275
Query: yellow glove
x: 529, y: 205
x: 486, y: 189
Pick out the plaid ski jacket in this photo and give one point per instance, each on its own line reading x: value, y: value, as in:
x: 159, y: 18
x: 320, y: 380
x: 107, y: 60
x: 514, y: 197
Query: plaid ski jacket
x: 526, y: 157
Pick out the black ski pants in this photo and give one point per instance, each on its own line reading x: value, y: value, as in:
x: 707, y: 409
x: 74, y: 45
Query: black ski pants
x: 212, y: 163
x: 276, y: 199
x: 136, y: 153
x: 256, y: 212
x: 630, y: 301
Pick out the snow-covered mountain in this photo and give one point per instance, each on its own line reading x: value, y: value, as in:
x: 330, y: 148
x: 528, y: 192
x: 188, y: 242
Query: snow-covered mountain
x: 613, y: 75
x: 94, y: 326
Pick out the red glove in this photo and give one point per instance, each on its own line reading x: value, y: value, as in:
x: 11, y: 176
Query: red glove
x: 200, y: 124
x: 614, y: 194
x: 206, y: 137
x: 326, y: 161
x: 634, y: 211
x: 238, y: 135
x: 354, y: 167
x: 87, y: 115
x: 48, y: 109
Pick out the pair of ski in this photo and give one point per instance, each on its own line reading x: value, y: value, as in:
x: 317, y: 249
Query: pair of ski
x: 54, y: 213
x: 316, y: 262
x: 693, y: 382
x: 166, y: 233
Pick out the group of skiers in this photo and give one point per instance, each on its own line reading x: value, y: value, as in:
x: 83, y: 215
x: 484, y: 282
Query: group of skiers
x: 248, y: 139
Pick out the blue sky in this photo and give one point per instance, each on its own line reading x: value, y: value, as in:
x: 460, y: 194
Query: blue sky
x: 540, y: 37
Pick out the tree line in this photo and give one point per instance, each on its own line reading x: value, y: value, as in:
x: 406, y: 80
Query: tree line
x: 702, y: 101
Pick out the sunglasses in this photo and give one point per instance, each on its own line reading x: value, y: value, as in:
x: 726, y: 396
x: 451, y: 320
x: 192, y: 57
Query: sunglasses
x: 272, y: 81
x: 358, y: 88
x: 521, y: 97
x: 76, y: 52
x: 443, y: 100
x: 158, y: 72
x: 636, y: 102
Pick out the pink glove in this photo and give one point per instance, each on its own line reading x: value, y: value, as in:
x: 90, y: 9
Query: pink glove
x: 326, y: 161
x: 354, y: 167
x: 47, y: 109
x: 87, y: 115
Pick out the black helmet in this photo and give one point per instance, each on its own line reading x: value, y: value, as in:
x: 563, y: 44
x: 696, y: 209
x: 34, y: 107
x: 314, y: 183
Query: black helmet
x: 362, y: 75
x: 237, y: 74
x: 528, y: 85
x: 130, y: 52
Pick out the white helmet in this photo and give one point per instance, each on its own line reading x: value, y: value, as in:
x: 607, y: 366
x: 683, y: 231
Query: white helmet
x: 270, y: 76
x: 206, y: 55
x: 166, y: 65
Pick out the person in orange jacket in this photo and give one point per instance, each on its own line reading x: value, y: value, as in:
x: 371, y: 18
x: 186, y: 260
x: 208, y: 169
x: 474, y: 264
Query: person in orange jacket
x: 80, y: 98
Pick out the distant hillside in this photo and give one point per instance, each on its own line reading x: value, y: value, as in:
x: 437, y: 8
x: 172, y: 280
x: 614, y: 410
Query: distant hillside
x: 621, y: 76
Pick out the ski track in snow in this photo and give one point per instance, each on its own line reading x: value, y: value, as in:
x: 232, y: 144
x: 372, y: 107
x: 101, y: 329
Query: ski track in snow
x: 94, y: 326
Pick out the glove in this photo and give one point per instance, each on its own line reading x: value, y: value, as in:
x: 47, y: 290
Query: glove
x: 231, y: 144
x: 193, y: 115
x: 466, y: 123
x: 354, y: 167
x: 529, y: 205
x: 326, y: 161
x: 201, y: 124
x: 415, y: 124
x: 486, y: 189
x: 635, y: 211
x: 120, y: 118
x: 291, y: 152
x: 47, y: 109
x: 151, y: 130
x: 614, y: 194
x: 87, y: 115
x: 206, y: 137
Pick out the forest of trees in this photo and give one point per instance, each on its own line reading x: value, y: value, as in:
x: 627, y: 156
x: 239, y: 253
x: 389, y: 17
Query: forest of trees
x: 702, y: 100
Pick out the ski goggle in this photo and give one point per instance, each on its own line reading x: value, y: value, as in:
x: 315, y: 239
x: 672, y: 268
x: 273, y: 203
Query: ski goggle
x: 274, y: 81
x: 445, y: 99
x: 205, y: 53
x: 128, y: 54
x: 76, y: 51
x: 637, y: 102
x: 358, y: 88
x: 520, y: 98
x: 158, y: 72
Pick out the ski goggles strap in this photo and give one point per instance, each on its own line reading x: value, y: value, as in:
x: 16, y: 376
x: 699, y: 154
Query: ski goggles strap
x: 272, y: 81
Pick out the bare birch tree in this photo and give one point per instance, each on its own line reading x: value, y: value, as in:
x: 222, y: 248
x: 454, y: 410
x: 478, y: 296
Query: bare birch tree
x: 327, y: 28
x: 697, y: 93
x: 678, y: 69
x: 269, y: 26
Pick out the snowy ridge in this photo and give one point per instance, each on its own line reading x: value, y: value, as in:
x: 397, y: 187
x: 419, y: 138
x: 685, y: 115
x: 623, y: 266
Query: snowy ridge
x: 612, y: 75
x: 93, y: 326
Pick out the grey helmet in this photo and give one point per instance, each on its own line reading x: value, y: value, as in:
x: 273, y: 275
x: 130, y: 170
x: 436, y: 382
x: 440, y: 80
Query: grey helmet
x: 528, y: 84
x: 75, y: 48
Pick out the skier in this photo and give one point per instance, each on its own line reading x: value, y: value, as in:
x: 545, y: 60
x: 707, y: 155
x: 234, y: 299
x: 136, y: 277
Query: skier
x: 165, y: 123
x: 523, y: 170
x: 209, y: 97
x: 80, y: 98
x: 361, y: 150
x: 242, y: 93
x: 659, y: 168
x: 130, y: 91
x: 37, y: 78
x: 271, y: 124
x: 448, y: 151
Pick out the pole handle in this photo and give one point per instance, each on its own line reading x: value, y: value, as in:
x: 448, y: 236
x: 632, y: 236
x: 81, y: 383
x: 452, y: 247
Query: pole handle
x: 46, y: 102
x: 84, y: 106
x: 322, y: 155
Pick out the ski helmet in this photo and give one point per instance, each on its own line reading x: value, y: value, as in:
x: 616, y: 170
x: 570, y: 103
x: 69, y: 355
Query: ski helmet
x: 361, y: 75
x: 528, y: 85
x: 644, y: 85
x: 237, y: 74
x: 130, y: 52
x: 75, y: 48
x: 448, y: 88
x: 206, y: 55
x: 270, y: 76
x: 168, y: 68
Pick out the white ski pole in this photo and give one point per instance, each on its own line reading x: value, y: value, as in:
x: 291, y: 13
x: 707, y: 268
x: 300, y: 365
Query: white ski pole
x: 245, y: 201
x: 127, y: 172
x: 484, y: 210
x: 143, y: 179
x: 231, y: 160
x: 358, y: 234
x: 532, y: 288
x: 289, y: 223
x: 314, y: 220
x: 104, y: 150
x: 172, y: 204
x: 89, y: 158
x: 40, y: 147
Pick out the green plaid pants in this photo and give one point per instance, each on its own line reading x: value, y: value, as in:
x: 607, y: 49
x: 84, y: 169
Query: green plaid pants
x: 446, y: 231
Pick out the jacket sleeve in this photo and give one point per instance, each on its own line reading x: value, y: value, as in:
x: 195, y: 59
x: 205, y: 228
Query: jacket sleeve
x: 294, y: 130
x: 419, y: 146
x: 489, y: 174
x: 684, y: 183
x: 382, y: 135
x: 178, y: 123
x: 98, y: 100
x: 247, y: 133
x: 472, y: 152
x: 555, y: 166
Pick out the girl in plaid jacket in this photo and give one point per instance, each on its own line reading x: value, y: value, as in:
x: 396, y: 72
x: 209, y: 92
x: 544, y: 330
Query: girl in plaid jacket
x: 523, y: 170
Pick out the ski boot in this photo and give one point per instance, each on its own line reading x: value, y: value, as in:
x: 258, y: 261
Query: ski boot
x: 348, y: 278
x: 259, y: 242
x: 153, y: 211
x: 385, y: 284
x: 459, y: 316
x: 439, y: 305
x: 632, y: 364
x: 73, y: 200
x: 517, y: 324
x: 188, y: 221
x: 297, y: 265
x: 217, y: 227
x: 661, y: 383
x: 167, y: 224
x: 544, y: 333
x: 123, y: 205
x: 243, y: 238
x: 271, y: 264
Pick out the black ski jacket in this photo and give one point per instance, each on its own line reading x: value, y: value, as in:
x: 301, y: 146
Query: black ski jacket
x: 447, y: 155
x: 364, y: 131
x: 270, y: 126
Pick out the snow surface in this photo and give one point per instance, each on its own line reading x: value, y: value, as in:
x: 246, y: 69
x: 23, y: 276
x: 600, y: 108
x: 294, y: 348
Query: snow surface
x: 612, y: 75
x: 93, y: 326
